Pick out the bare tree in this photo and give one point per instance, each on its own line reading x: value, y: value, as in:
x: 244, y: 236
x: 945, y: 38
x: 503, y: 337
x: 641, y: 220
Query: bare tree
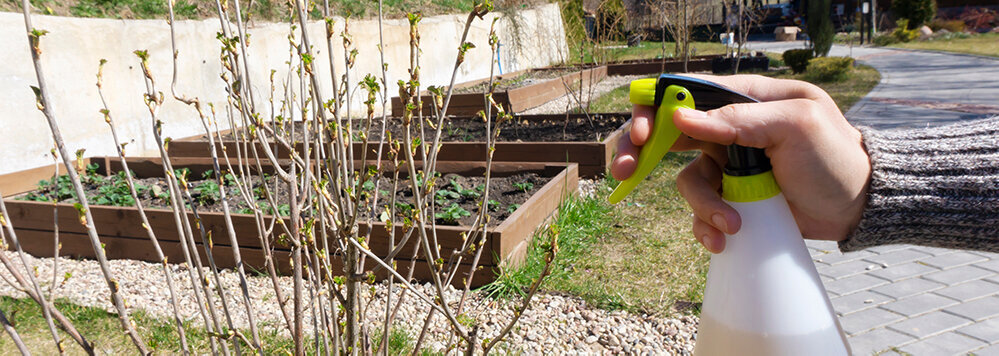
x: 309, y: 139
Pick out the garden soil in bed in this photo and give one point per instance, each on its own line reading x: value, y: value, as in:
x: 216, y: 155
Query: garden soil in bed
x: 517, y: 80
x: 466, y: 129
x: 457, y: 197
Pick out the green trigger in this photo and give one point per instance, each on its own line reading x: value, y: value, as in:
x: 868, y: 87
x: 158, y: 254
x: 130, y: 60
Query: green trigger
x: 664, y: 133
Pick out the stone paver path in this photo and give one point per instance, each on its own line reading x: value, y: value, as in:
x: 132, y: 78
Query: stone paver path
x: 903, y: 298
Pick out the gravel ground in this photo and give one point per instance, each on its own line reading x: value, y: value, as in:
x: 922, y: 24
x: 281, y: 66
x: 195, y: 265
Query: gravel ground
x: 560, y: 104
x: 558, y: 323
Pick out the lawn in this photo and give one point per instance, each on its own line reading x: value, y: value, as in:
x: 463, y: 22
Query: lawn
x: 104, y: 330
x: 986, y: 44
x: 609, y: 51
x: 635, y: 256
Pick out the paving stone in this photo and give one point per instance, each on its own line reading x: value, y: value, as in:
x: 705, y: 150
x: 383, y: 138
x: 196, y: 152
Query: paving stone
x: 988, y: 351
x: 908, y: 287
x: 825, y: 245
x: 854, y: 284
x: 906, y: 270
x: 869, y: 319
x: 858, y: 301
x: 987, y: 330
x: 992, y: 265
x: 970, y: 290
x: 876, y: 340
x: 959, y: 275
x: 993, y: 279
x: 883, y: 249
x: 835, y: 258
x: 817, y: 253
x: 943, y: 344
x: 935, y: 251
x: 845, y: 269
x: 919, y: 304
x: 929, y: 324
x: 898, y: 257
x: 953, y: 260
x: 977, y: 310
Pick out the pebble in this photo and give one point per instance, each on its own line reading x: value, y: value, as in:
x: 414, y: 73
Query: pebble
x: 555, y: 323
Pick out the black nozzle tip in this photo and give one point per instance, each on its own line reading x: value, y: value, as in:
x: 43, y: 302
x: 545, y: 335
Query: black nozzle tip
x: 746, y: 161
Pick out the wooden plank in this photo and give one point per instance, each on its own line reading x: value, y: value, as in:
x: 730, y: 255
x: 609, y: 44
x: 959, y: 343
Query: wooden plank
x: 518, y: 229
x: 27, y: 180
x: 42, y: 244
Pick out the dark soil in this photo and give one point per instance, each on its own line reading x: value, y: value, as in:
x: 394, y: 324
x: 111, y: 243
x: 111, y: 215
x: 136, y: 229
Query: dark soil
x: 504, y: 83
x: 571, y: 129
x: 457, y: 198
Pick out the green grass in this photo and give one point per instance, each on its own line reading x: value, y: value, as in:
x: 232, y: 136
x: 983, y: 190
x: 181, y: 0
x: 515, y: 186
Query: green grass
x: 609, y: 51
x: 986, y: 44
x: 636, y: 256
x: 846, y: 92
x: 104, y: 330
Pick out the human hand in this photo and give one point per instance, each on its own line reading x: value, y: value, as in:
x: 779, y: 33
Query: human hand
x: 818, y: 158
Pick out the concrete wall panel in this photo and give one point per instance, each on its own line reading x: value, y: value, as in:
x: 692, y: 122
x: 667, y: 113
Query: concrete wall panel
x: 74, y: 46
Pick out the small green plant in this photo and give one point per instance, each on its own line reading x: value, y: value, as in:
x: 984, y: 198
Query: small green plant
x: 494, y: 205
x: 828, y: 69
x: 208, y: 192
x: 512, y: 208
x: 452, y: 214
x: 524, y: 186
x: 466, y: 193
x: 798, y: 59
x: 114, y: 191
x: 443, y: 195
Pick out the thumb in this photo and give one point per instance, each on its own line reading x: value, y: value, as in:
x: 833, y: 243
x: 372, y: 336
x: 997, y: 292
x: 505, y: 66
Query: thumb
x: 759, y: 125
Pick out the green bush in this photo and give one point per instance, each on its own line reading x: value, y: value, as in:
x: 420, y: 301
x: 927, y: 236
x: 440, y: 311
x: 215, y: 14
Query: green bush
x: 828, y: 69
x: 902, y: 33
x: 797, y: 59
x: 820, y: 29
x: 949, y: 25
x: 884, y: 40
x: 918, y: 12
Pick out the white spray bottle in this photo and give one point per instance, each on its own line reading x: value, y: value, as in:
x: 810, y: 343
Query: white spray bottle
x: 763, y: 294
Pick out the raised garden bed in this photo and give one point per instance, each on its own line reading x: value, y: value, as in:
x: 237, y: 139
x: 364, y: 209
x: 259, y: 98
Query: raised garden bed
x: 518, y: 91
x: 124, y: 237
x: 656, y: 66
x: 528, y: 138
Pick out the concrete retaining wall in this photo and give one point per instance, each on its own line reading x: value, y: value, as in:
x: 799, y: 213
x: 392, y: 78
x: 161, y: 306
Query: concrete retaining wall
x: 74, y: 46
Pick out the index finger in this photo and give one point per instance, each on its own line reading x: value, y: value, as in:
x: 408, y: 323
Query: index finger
x: 765, y: 88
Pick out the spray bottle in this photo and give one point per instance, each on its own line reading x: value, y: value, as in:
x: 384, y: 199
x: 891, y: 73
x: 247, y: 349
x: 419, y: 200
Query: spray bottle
x: 763, y: 294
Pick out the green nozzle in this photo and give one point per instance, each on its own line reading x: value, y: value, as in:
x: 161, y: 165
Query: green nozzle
x: 664, y: 133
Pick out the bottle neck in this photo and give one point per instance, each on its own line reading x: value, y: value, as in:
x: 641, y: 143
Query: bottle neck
x: 750, y: 188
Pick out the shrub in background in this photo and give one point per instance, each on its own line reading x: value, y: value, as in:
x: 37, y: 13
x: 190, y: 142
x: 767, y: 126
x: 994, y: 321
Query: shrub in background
x: 797, y: 59
x: 884, y: 40
x: 918, y: 12
x: 949, y: 25
x: 820, y: 29
x: 828, y: 69
x: 902, y: 33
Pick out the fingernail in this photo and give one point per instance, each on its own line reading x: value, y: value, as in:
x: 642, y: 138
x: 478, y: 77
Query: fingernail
x: 692, y: 114
x: 706, y: 242
x: 719, y: 222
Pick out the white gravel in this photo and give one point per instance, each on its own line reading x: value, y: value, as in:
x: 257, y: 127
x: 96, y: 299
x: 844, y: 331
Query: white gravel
x: 558, y: 323
x: 566, y: 102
